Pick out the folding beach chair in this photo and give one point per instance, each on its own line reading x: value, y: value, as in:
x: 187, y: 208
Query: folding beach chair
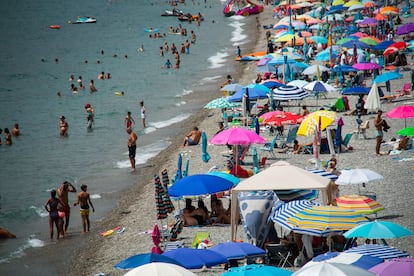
x: 280, y: 254
x: 268, y: 147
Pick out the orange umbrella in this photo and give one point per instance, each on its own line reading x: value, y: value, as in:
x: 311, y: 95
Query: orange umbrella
x: 380, y: 17
x: 299, y: 41
x: 306, y: 34
x: 389, y: 10
x: 369, y: 5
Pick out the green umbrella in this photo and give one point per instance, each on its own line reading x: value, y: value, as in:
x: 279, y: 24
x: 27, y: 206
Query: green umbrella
x: 408, y: 131
x: 343, y: 40
x: 221, y: 103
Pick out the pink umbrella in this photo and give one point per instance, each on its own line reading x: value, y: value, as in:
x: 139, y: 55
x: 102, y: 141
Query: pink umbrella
x: 398, y: 266
x: 366, y: 66
x: 401, y: 112
x: 156, y: 239
x: 237, y: 136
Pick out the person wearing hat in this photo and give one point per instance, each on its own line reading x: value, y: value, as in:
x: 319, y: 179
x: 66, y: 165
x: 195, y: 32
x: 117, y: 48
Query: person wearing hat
x: 64, y: 126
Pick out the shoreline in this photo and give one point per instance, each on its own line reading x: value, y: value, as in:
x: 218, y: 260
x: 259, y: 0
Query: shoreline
x: 81, y: 261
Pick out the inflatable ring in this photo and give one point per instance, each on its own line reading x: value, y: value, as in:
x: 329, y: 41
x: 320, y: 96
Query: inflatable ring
x: 119, y: 93
x: 54, y: 26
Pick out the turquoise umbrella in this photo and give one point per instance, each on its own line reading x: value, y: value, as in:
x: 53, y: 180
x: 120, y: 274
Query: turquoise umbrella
x: 255, y: 161
x: 221, y: 103
x: 378, y: 230
x: 233, y: 179
x: 257, y: 269
x: 319, y: 39
x: 205, y: 156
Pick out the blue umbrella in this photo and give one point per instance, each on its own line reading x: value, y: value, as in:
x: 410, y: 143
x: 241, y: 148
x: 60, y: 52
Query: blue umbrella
x: 257, y: 125
x: 377, y: 250
x: 233, y: 179
x: 257, y: 269
x: 289, y: 209
x: 179, y: 173
x: 280, y: 60
x: 204, y: 154
x: 199, y: 184
x: 356, y: 90
x: 378, y: 230
x: 254, y: 92
x: 383, y: 45
x: 387, y: 76
x: 344, y: 68
x: 146, y: 258
x: 359, y: 44
x: 272, y: 84
x: 192, y: 258
x: 238, y: 250
x: 336, y: 9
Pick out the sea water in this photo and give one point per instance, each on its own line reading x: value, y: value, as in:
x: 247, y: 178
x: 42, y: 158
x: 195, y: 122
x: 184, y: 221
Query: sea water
x: 36, y: 62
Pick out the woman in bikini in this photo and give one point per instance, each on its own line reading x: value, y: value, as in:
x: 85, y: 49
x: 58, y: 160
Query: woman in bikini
x: 51, y: 206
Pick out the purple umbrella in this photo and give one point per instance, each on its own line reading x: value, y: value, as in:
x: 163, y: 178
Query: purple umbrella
x: 368, y: 21
x: 405, y: 29
x: 366, y: 66
x: 400, y: 266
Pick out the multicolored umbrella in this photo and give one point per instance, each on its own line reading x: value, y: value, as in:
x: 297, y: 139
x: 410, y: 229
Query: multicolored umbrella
x: 311, y: 122
x: 408, y: 131
x: 378, y: 250
x: 233, y: 179
x: 359, y: 203
x: 324, y: 220
x: 221, y: 103
x: 401, y: 266
x: 289, y: 209
x: 162, y: 200
x: 378, y: 230
x: 359, y: 260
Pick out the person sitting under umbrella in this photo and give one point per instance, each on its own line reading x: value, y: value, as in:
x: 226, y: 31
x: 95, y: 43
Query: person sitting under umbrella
x: 198, y: 216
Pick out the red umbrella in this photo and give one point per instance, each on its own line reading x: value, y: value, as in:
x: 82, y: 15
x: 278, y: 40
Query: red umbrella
x: 399, y: 45
x: 390, y: 50
x: 279, y: 118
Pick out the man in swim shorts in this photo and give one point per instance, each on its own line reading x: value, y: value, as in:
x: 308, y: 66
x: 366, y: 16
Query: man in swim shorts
x: 84, y: 200
x: 192, y: 138
x: 132, y: 147
x: 63, y: 194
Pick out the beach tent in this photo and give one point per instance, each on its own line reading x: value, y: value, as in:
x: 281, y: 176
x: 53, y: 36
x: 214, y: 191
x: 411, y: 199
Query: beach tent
x: 279, y: 176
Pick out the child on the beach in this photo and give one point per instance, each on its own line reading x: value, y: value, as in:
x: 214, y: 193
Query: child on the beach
x: 84, y: 200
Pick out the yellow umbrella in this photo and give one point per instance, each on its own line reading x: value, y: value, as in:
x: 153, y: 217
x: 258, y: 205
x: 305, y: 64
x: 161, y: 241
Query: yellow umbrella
x: 310, y: 123
x: 338, y: 2
x: 286, y: 38
x: 350, y: 3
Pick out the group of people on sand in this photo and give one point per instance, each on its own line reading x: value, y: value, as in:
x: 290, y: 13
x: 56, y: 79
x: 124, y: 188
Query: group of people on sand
x: 58, y: 207
x: 193, y: 216
x: 8, y: 135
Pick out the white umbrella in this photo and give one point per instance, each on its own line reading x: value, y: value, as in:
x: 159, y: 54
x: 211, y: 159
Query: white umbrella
x: 319, y: 87
x: 373, y: 98
x: 328, y: 269
x: 357, y: 176
x: 356, y: 7
x: 298, y: 83
x: 160, y: 269
x: 313, y: 69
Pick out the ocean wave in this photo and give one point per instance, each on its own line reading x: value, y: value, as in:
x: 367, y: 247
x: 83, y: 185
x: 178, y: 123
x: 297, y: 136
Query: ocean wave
x: 218, y: 60
x: 237, y: 35
x: 95, y: 196
x: 144, y: 154
x: 180, y: 103
x: 29, y: 243
x: 41, y: 212
x: 171, y: 121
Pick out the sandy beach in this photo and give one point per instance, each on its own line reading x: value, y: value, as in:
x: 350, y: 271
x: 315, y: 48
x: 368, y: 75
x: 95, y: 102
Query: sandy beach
x: 136, y: 209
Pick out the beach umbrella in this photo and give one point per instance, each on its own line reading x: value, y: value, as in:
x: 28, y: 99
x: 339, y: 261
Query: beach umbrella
x: 256, y: 125
x: 313, y: 69
x: 204, y: 154
x: 166, y: 198
x: 280, y: 60
x: 160, y: 269
x: 408, y: 131
x: 387, y: 76
x: 366, y: 66
x: 254, y: 92
x: 328, y: 268
x: 356, y: 42
x: 310, y: 122
x: 156, y: 237
x: 279, y: 118
x: 179, y: 173
x: 257, y: 269
x: 142, y: 259
x: 383, y: 45
x: 324, y: 220
x: 370, y: 40
x: 389, y: 10
x: 405, y: 29
x: 298, y: 83
x: 359, y: 203
x: 187, y: 164
x: 289, y: 209
x: 237, y: 250
x: 297, y: 194
x: 378, y: 250
x: 389, y: 51
x: 162, y: 200
x: 356, y: 7
x: 380, y: 17
x: 232, y: 87
x: 286, y: 93
x: 356, y: 90
x: 237, y: 136
x: 369, y: 21
x: 357, y: 176
x: 344, y: 68
x: 343, y: 40
x: 319, y: 87
x: 378, y: 230
x: 199, y: 184
x: 402, y: 266
x: 233, y: 179
x: 192, y: 258
x: 221, y: 103
x: 362, y: 261
x: 373, y: 99
x: 272, y: 83
x: 401, y: 112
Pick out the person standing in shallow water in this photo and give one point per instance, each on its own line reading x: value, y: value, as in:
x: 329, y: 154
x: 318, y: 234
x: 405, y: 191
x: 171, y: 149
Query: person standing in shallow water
x: 64, y: 127
x: 143, y: 115
x: 132, y: 147
x: 85, y: 203
x: 63, y: 193
x: 51, y: 207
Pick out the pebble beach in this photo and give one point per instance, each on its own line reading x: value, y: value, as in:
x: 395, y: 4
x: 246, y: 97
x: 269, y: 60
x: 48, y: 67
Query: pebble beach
x: 136, y: 209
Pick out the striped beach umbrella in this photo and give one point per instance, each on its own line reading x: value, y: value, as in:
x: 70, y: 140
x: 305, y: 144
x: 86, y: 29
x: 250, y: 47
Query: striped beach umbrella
x: 289, y: 209
x: 324, y: 220
x: 286, y: 93
x: 378, y: 250
x: 359, y: 203
x: 295, y: 194
x: 362, y: 261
